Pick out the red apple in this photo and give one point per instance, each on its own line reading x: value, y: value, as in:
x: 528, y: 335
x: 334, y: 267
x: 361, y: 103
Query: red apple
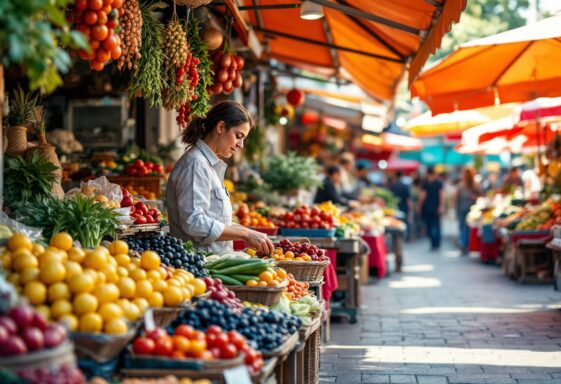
x: 4, y: 335
x: 54, y: 335
x: 33, y: 338
x: 39, y: 321
x: 9, y: 324
x: 14, y: 346
x: 22, y: 315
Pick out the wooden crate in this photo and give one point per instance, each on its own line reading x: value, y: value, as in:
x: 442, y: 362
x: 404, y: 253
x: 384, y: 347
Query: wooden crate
x: 533, y: 262
x: 151, y: 184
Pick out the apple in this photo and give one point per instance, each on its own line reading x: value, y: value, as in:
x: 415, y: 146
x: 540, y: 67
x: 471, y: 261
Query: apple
x: 33, y: 338
x: 4, y: 336
x: 8, y: 324
x: 39, y: 321
x: 22, y: 315
x: 54, y: 335
x: 14, y: 346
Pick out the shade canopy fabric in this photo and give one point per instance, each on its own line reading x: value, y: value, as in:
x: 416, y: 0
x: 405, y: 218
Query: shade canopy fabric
x: 543, y: 107
x: 373, y: 48
x: 514, y: 66
x: 391, y: 142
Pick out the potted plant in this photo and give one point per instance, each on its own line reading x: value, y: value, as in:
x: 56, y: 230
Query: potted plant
x: 21, y: 108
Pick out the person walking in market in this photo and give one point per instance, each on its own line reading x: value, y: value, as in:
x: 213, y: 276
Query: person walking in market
x: 466, y: 194
x: 199, y: 207
x: 329, y: 191
x: 431, y: 207
x: 403, y: 192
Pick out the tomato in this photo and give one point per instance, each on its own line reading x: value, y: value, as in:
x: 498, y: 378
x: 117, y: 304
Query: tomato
x: 143, y: 171
x: 107, y: 2
x: 149, y: 219
x: 117, y: 3
x: 237, y: 339
x: 107, y: 9
x: 103, y: 55
x: 163, y: 346
x: 140, y: 206
x: 211, y: 340
x: 149, y: 165
x: 214, y: 329
x: 101, y: 17
x: 250, y: 356
x: 221, y: 340
x: 181, y: 343
x: 139, y: 163
x: 158, y: 168
x: 215, y: 352
x: 144, y: 346
x: 96, y: 65
x: 112, y: 23
x: 110, y: 43
x: 100, y: 32
x: 84, y: 54
x: 156, y: 333
x: 185, y: 330
x: 198, y: 335
x: 178, y: 355
x: 81, y: 5
x: 94, y: 45
x: 229, y: 351
x: 83, y: 28
x: 95, y: 4
x: 90, y: 17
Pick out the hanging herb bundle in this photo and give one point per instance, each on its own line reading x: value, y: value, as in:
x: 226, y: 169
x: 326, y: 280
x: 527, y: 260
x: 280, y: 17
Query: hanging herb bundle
x: 148, y: 80
x: 176, y: 54
x: 130, y: 33
x: 200, y: 76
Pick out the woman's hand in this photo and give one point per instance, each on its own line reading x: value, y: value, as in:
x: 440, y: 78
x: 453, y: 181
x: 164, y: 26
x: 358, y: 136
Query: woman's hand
x: 259, y: 241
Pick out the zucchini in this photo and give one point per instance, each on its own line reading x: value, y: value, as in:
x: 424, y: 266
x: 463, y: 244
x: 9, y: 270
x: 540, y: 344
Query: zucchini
x: 245, y: 278
x: 227, y: 280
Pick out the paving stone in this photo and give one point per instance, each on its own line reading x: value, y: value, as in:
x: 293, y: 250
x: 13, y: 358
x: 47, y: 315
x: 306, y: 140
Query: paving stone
x: 432, y: 380
x: 403, y: 379
x: 376, y: 378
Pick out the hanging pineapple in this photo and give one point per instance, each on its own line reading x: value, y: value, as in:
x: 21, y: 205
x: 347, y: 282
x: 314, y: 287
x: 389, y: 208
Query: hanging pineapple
x: 21, y: 109
x: 46, y: 150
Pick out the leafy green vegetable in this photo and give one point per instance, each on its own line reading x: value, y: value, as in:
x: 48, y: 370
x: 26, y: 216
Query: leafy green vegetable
x: 27, y: 180
x: 288, y: 172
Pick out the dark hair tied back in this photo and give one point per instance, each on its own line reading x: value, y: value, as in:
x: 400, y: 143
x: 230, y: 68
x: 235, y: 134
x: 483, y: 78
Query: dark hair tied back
x: 230, y: 112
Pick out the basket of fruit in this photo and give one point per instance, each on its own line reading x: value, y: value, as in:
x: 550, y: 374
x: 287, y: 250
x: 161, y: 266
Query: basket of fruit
x: 266, y: 295
x: 305, y: 261
x: 164, y: 316
x: 100, y: 347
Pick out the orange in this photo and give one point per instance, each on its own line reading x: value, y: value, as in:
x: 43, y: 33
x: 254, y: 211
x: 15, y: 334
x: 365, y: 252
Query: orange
x: 72, y: 269
x: 122, y: 271
x: 58, y: 291
x: 273, y: 283
x: 123, y: 259
x: 50, y: 256
x: 91, y: 322
x: 24, y: 259
x: 61, y: 307
x: 181, y: 343
x: 37, y: 249
x: 28, y: 275
x: 7, y: 260
x: 19, y: 240
x: 96, y: 259
x: 262, y: 283
x: 138, y: 274
x: 251, y: 283
x: 112, y: 261
x: 85, y: 303
x: 116, y: 327
x: 141, y: 303
x: 127, y: 287
x: 110, y: 273
x: 174, y: 282
x: 135, y: 261
x: 81, y: 283
x: 281, y: 273
x: 156, y: 300
x: 144, y: 289
x: 199, y: 285
x: 131, y: 312
x: 163, y: 272
x: 61, y: 240
x: 153, y: 275
x: 62, y: 254
x: 266, y: 276
x: 52, y: 273
x: 173, y: 296
x: 76, y: 254
x: 289, y: 255
x: 100, y: 278
x: 159, y: 285
x: 36, y: 292
x: 110, y: 311
x: 70, y: 320
x: 150, y: 260
x: 117, y: 247
x: 107, y: 293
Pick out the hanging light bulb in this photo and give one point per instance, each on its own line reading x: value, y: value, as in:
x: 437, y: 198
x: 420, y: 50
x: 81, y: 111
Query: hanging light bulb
x: 311, y: 11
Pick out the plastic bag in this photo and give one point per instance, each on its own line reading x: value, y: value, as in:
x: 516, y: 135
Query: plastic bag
x: 97, y: 187
x: 9, y: 226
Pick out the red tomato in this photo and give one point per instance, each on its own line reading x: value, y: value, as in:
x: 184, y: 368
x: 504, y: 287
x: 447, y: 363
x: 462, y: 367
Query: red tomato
x: 140, y: 206
x: 229, y: 351
x: 117, y: 3
x: 84, y: 54
x: 107, y: 9
x: 83, y: 28
x: 158, y: 168
x: 185, y: 330
x: 143, y: 346
x: 149, y: 219
x: 101, y: 17
x: 250, y: 356
x: 96, y: 65
x: 107, y: 2
x: 103, y: 55
x: 149, y: 165
x: 198, y: 335
x: 143, y: 171
x: 100, y: 32
x: 116, y: 53
x: 95, y: 4
x: 110, y: 43
x: 221, y: 341
x: 94, y: 45
x: 237, y: 339
x: 206, y: 355
x: 211, y: 340
x: 90, y: 17
x: 215, y: 352
x: 164, y: 346
x: 139, y: 163
x: 214, y: 329
x: 81, y: 5
x: 156, y: 333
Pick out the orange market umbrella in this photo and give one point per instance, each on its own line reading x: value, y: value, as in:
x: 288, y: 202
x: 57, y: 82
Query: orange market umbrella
x: 427, y: 125
x: 370, y: 42
x: 391, y: 142
x: 517, y: 65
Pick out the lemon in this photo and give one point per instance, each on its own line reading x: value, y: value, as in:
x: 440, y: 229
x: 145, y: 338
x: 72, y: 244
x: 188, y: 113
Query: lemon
x: 81, y: 283
x: 156, y: 300
x: 24, y: 259
x: 141, y: 303
x: 131, y: 312
x: 50, y: 256
x: 70, y: 320
x: 138, y: 274
x: 85, y: 303
x: 60, y: 308
x: 116, y: 327
x: 127, y: 287
x: 52, y: 273
x: 37, y: 249
x: 91, y: 322
x: 19, y: 240
x: 28, y: 275
x: 96, y: 259
x: 199, y: 285
x: 122, y: 271
x: 153, y: 275
x: 107, y: 293
x: 150, y: 260
x: 36, y: 292
x: 58, y: 291
x: 76, y: 254
x: 118, y: 247
x: 7, y: 260
x: 73, y: 268
x: 14, y: 278
x: 144, y: 289
x: 61, y: 240
x: 123, y: 259
x: 173, y: 296
x: 159, y: 285
x: 110, y: 311
x: 44, y: 310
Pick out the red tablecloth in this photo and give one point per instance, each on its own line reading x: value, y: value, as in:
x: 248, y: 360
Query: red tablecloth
x: 474, y: 239
x: 330, y: 283
x: 377, y: 257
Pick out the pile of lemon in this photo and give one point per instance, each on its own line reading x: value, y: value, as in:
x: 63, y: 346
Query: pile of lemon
x: 94, y: 290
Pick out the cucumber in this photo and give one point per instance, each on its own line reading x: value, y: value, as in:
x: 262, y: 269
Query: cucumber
x: 245, y: 278
x: 227, y: 280
x: 244, y: 269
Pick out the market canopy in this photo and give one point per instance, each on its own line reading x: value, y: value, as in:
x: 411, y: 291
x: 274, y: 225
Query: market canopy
x: 370, y: 42
x: 514, y: 66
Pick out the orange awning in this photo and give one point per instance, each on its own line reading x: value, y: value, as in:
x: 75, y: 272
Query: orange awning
x: 374, y: 54
x: 391, y: 142
x: 513, y: 66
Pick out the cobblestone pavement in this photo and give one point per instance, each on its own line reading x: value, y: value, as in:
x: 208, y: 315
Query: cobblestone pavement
x: 448, y: 319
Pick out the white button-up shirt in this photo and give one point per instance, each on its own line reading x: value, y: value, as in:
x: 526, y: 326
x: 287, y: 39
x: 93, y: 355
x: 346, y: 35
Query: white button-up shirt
x: 198, y: 204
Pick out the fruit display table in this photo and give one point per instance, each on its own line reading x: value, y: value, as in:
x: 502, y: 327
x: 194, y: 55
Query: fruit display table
x: 510, y: 239
x: 378, y: 253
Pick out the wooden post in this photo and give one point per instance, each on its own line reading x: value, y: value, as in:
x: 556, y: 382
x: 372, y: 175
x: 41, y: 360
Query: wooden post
x: 1, y: 136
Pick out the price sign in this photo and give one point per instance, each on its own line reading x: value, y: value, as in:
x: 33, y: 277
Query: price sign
x: 238, y: 375
x: 149, y: 323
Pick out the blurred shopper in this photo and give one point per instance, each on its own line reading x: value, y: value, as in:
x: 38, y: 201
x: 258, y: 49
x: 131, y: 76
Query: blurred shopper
x: 466, y: 195
x: 431, y: 207
x: 417, y: 223
x: 329, y: 191
x: 490, y: 183
x: 532, y: 184
x: 362, y: 171
x: 512, y: 180
x: 348, y: 185
x: 402, y: 191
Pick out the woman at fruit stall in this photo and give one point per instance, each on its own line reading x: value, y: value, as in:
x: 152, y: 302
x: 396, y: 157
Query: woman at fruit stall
x: 199, y: 207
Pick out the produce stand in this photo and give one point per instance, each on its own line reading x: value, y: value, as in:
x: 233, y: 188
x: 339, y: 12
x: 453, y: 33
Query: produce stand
x: 556, y: 251
x: 286, y: 366
x: 511, y: 262
x: 308, y: 351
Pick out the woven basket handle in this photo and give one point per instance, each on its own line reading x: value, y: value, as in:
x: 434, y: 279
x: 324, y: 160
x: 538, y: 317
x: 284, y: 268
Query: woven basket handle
x: 305, y: 240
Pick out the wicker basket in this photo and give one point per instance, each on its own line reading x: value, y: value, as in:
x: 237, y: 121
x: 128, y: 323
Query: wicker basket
x: 101, y: 347
x: 47, y: 358
x: 17, y: 140
x: 193, y: 3
x: 260, y: 295
x: 163, y: 364
x: 312, y: 358
x: 304, y: 270
x: 166, y: 315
